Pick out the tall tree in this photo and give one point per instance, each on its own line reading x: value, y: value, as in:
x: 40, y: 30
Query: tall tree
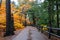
x: 50, y: 11
x: 9, y: 26
x: 57, y: 11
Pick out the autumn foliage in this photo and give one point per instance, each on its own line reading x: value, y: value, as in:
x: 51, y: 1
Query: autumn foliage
x: 3, y: 15
x: 17, y: 18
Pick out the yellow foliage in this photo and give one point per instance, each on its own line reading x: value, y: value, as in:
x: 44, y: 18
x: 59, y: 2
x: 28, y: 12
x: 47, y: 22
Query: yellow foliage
x: 18, y: 25
x: 44, y: 27
x: 19, y: 17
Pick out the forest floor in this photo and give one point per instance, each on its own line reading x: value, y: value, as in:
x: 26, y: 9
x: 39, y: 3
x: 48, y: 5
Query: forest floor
x: 28, y: 33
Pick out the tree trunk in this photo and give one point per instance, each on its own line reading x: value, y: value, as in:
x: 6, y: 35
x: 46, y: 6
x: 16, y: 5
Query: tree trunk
x: 50, y: 10
x: 9, y: 26
x: 33, y: 17
x: 57, y: 11
x: 0, y: 2
x: 12, y: 22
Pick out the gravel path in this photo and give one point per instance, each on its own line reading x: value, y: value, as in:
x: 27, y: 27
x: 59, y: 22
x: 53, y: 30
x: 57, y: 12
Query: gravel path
x: 30, y: 33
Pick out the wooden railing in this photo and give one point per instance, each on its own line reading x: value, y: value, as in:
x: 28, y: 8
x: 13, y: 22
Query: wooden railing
x: 49, y: 31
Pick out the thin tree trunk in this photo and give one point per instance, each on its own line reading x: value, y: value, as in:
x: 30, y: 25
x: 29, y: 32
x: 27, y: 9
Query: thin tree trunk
x: 33, y: 17
x: 0, y: 2
x: 57, y: 9
x: 50, y: 9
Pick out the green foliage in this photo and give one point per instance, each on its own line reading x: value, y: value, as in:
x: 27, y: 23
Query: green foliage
x: 41, y: 13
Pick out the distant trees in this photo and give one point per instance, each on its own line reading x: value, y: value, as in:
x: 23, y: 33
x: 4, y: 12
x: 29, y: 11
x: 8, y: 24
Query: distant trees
x: 45, y: 13
x: 39, y: 13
